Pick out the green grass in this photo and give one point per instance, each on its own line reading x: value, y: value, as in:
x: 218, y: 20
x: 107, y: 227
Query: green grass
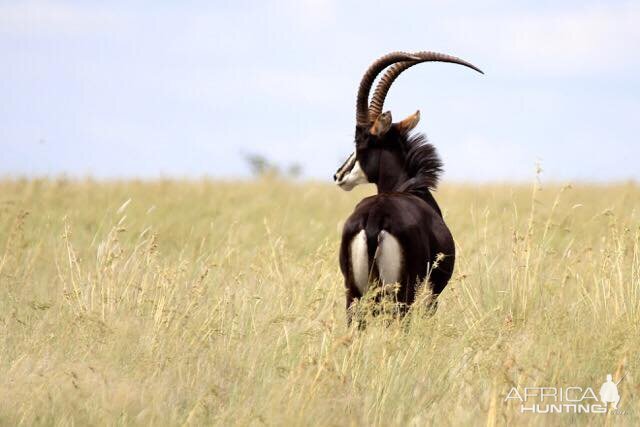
x: 221, y: 303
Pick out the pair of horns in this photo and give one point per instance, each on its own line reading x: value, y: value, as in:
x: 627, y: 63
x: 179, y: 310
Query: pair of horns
x: 399, y: 61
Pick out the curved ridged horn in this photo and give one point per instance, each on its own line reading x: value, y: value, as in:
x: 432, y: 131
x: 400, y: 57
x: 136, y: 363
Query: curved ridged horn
x: 377, y: 102
x: 362, y: 108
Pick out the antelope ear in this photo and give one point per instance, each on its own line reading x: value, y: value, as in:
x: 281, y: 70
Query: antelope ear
x: 409, y: 123
x: 382, y: 124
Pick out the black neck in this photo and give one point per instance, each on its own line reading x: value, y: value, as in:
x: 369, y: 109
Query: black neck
x: 388, y: 182
x: 393, y: 179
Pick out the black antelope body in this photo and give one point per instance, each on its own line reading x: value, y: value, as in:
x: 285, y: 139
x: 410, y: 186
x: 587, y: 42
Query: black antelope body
x: 397, y: 236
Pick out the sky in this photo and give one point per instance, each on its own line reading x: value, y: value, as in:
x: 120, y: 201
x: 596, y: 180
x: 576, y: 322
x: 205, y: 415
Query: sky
x: 189, y: 89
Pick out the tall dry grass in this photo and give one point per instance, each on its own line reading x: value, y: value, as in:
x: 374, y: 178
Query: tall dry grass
x: 221, y: 303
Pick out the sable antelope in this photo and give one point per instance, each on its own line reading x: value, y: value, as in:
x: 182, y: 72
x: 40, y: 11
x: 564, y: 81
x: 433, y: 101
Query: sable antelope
x: 397, y: 235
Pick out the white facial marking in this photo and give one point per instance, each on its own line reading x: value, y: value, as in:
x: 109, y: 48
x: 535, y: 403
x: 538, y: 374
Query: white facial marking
x: 351, y: 174
x: 360, y: 261
x: 389, y: 259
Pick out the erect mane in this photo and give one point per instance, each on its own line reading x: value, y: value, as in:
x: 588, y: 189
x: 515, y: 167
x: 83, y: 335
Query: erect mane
x: 423, y: 165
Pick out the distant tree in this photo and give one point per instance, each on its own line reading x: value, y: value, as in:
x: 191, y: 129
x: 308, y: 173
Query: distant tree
x: 294, y: 170
x: 260, y: 166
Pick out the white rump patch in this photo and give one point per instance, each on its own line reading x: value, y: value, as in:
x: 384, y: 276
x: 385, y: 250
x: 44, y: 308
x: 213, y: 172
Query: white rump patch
x: 389, y: 259
x: 360, y: 261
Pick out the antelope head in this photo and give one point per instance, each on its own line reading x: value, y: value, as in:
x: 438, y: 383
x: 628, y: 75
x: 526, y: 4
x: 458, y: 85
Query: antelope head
x: 379, y: 157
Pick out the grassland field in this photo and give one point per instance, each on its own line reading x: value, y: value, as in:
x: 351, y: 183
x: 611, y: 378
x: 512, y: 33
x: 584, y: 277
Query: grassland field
x: 221, y: 303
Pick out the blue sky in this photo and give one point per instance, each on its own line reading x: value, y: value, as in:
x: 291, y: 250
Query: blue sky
x: 186, y: 89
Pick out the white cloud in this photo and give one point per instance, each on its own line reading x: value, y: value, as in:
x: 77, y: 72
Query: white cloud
x: 49, y: 17
x: 313, y: 14
x: 295, y: 86
x: 477, y: 158
x: 590, y: 39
